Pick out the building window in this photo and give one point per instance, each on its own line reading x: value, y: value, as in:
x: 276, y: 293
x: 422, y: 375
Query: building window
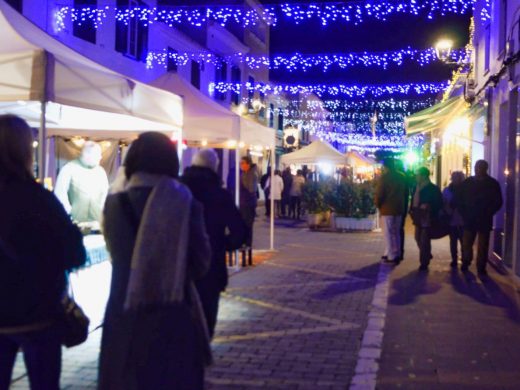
x: 502, y: 33
x: 280, y: 120
x: 195, y: 74
x: 171, y: 63
x: 221, y: 77
x: 86, y: 30
x: 236, y: 78
x: 132, y: 38
x: 487, y: 53
x: 251, y: 92
x: 16, y: 4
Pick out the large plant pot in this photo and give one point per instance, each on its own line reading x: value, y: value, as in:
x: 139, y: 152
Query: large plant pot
x: 318, y: 219
x: 357, y: 224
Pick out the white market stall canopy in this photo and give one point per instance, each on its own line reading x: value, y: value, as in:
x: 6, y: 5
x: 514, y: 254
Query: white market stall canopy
x: 85, y: 96
x: 354, y: 158
x: 317, y: 152
x: 206, y: 120
x: 435, y: 117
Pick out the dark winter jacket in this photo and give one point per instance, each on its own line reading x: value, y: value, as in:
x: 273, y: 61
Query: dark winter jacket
x: 391, y: 192
x: 221, y: 217
x: 38, y: 243
x: 429, y: 195
x: 478, y: 201
x: 249, y: 188
x: 131, y: 337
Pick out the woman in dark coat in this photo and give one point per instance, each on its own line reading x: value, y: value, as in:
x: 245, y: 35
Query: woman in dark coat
x: 38, y: 243
x: 154, y: 334
x: 224, y: 225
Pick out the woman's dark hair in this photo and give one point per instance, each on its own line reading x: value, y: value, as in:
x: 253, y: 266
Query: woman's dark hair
x: 16, y: 150
x: 152, y: 153
x: 248, y: 160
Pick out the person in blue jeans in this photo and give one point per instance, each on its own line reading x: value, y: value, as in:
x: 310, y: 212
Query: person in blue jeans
x: 38, y: 244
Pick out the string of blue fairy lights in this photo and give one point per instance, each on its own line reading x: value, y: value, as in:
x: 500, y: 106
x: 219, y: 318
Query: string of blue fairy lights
x: 320, y: 90
x: 304, y: 62
x: 326, y: 13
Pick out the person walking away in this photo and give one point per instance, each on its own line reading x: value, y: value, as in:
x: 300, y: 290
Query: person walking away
x: 286, y: 193
x: 154, y: 332
x: 224, y: 225
x: 390, y: 200
x: 400, y: 168
x: 263, y: 183
x: 480, y: 200
x: 248, y: 198
x: 426, y: 204
x: 38, y: 244
x: 450, y: 196
x: 296, y: 195
x: 275, y: 191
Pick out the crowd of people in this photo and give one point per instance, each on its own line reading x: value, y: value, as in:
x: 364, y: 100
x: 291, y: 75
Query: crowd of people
x: 464, y: 210
x: 168, y: 237
x: 286, y: 192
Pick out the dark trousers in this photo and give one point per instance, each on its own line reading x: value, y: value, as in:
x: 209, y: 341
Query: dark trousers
x: 401, y: 232
x: 267, y: 204
x: 468, y: 239
x: 209, y: 298
x: 296, y: 207
x: 248, y: 215
x: 42, y: 356
x: 456, y: 233
x: 286, y: 201
x: 423, y: 240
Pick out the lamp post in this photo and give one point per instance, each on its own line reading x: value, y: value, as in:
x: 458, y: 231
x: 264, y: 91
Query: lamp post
x: 443, y: 49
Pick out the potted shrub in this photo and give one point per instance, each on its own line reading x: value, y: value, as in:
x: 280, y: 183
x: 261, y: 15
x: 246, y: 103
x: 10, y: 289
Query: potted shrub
x: 313, y: 198
x: 354, y: 207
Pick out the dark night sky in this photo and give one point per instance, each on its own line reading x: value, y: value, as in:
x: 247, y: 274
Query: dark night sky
x: 373, y: 36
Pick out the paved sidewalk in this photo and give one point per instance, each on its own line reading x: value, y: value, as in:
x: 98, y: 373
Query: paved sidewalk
x: 295, y: 321
x: 449, y: 330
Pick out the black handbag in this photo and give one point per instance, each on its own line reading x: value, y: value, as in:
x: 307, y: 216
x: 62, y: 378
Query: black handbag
x: 75, y: 323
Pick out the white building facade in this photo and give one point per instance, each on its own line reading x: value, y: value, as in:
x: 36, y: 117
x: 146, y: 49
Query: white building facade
x: 129, y: 49
x: 497, y: 80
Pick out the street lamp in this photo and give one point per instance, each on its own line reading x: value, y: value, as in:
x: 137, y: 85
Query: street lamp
x: 443, y: 50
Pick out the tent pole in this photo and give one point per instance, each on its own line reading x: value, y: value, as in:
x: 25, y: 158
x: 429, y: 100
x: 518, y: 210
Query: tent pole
x: 42, y: 144
x: 272, y: 200
x: 42, y: 133
x: 237, y: 192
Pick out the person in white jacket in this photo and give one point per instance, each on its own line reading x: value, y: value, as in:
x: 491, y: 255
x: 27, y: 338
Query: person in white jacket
x: 275, y: 191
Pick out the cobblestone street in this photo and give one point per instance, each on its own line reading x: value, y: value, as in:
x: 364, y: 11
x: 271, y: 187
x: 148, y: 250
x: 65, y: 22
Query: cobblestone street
x: 294, y: 321
x: 323, y: 313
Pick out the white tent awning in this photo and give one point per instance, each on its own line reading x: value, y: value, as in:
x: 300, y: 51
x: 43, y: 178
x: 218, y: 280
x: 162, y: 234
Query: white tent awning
x: 207, y: 120
x: 34, y: 67
x: 316, y: 153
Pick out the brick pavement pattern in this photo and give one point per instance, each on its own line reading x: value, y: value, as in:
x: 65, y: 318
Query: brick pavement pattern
x: 295, y: 321
x: 449, y: 330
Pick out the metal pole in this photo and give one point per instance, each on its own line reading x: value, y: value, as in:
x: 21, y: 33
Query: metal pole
x: 42, y: 144
x: 237, y: 192
x: 42, y: 133
x: 272, y: 200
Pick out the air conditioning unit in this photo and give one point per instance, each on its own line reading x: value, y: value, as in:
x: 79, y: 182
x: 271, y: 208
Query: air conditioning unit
x: 469, y: 89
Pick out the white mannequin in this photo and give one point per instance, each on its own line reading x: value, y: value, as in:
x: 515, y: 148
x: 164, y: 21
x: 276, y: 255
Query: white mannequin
x: 82, y: 185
